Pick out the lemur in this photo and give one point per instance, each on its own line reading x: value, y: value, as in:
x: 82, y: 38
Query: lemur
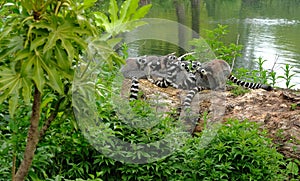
x: 214, y: 75
x: 168, y: 70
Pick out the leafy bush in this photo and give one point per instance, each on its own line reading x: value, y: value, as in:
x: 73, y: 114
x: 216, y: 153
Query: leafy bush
x: 225, y: 52
x: 239, y: 152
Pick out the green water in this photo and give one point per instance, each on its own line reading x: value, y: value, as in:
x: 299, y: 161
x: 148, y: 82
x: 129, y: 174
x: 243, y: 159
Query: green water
x: 266, y: 28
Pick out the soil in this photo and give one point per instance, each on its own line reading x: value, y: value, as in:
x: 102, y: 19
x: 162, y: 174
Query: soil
x: 277, y: 111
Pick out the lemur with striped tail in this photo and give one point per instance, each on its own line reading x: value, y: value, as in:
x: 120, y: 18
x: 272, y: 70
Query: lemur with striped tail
x: 168, y: 70
x: 214, y: 75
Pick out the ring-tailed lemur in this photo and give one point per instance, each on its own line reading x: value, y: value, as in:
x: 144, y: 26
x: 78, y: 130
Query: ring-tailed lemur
x: 168, y: 70
x: 152, y: 68
x: 214, y: 75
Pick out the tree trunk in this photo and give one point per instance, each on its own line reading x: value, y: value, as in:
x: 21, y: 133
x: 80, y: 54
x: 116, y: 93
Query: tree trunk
x: 32, y: 138
x: 182, y: 34
x: 196, y: 17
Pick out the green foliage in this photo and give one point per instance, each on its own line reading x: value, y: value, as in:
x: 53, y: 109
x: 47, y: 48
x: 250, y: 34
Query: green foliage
x: 273, y: 78
x: 287, y: 76
x: 292, y: 168
x: 222, y: 51
x: 238, y: 90
x: 203, y: 51
x: 260, y: 75
x: 264, y: 76
x: 124, y: 51
x: 39, y: 43
x: 238, y: 152
x: 294, y: 106
x: 123, y: 19
x: 42, y: 42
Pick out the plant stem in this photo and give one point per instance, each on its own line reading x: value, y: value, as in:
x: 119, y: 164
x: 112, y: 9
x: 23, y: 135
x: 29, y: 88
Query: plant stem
x: 32, y: 138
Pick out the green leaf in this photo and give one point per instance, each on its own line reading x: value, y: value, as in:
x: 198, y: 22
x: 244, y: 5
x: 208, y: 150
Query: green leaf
x: 114, y: 41
x: 127, y: 9
x: 52, y: 38
x: 292, y: 168
x: 62, y: 59
x: 3, y: 96
x: 9, y: 79
x: 13, y: 102
x: 26, y: 89
x: 69, y: 48
x: 12, y: 46
x: 37, y: 42
x: 113, y: 11
x: 141, y: 12
x: 38, y: 74
x: 54, y: 77
x: 88, y: 3
x: 24, y: 54
x: 101, y: 19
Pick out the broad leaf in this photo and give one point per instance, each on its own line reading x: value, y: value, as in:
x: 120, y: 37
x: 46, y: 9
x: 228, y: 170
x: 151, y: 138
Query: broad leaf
x: 62, y: 58
x: 53, y: 76
x: 37, y: 42
x: 113, y: 11
x: 38, y: 73
x: 140, y: 13
x: 127, y: 9
x: 12, y: 45
x: 69, y: 48
x: 26, y: 89
x: 13, y: 102
x: 115, y: 23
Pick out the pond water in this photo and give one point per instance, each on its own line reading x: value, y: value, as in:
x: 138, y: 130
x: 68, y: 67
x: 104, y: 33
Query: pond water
x: 266, y: 28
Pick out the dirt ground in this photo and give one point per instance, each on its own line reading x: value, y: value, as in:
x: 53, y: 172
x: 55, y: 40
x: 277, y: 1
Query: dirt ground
x: 277, y: 111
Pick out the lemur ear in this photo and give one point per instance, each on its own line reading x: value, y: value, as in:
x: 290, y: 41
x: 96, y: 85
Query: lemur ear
x: 141, y: 60
x: 172, y: 57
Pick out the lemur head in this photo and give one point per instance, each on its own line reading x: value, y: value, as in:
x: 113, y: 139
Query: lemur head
x: 213, y: 74
x: 141, y: 62
x: 171, y: 57
x: 201, y: 71
x: 154, y: 62
x: 196, y: 65
x: 184, y: 65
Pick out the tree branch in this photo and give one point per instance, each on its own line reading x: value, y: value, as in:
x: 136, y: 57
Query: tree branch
x: 51, y: 117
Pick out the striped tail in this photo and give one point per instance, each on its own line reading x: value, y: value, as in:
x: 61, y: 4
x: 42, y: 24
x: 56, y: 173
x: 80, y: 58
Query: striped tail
x: 249, y: 85
x: 134, y: 89
x: 163, y: 83
x: 190, y: 95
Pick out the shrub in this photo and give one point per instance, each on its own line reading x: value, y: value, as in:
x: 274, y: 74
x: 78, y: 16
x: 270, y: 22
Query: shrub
x: 239, y: 152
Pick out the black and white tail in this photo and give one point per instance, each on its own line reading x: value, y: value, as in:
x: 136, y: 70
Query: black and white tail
x: 190, y: 95
x: 134, y: 89
x: 249, y: 85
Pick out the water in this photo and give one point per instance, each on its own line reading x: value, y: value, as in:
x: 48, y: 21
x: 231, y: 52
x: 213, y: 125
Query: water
x: 266, y: 28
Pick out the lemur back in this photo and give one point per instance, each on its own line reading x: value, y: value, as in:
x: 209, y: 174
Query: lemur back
x: 214, y: 74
